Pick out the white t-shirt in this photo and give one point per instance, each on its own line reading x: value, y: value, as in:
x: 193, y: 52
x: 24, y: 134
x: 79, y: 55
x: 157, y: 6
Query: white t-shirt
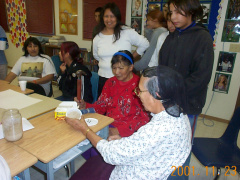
x: 152, y: 151
x: 104, y: 47
x: 31, y: 68
x: 4, y: 170
x: 225, y: 66
x: 154, y: 59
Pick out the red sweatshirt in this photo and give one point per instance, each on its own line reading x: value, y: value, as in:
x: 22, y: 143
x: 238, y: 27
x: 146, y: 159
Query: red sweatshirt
x: 119, y: 102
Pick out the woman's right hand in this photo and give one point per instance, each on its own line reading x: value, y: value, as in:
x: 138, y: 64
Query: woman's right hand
x: 77, y: 124
x: 95, y: 62
x: 81, y: 103
x: 63, y: 68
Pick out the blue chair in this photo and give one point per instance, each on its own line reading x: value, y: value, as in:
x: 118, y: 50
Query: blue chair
x: 94, y: 82
x: 223, y: 151
x: 57, y: 62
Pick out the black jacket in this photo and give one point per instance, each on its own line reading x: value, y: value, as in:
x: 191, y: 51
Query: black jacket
x: 191, y: 54
x: 68, y: 82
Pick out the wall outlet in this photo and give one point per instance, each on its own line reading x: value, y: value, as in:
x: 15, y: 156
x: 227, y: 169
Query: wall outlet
x: 234, y: 47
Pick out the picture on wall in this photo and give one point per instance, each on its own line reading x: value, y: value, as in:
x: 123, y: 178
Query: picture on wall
x: 154, y: 6
x: 226, y: 61
x: 233, y: 10
x: 221, y: 82
x: 136, y: 8
x: 206, y: 11
x: 68, y: 16
x: 136, y: 23
x: 231, y: 30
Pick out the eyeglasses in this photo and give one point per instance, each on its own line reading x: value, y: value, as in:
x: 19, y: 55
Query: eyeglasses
x: 137, y: 91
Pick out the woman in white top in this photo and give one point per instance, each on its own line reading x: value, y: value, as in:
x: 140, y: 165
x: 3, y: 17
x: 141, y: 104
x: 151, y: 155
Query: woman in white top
x: 112, y: 36
x: 157, y: 147
x: 34, y: 67
x: 157, y: 22
x: 171, y: 28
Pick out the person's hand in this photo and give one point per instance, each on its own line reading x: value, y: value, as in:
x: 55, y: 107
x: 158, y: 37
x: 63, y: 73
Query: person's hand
x: 95, y: 62
x: 81, y: 104
x: 63, y: 67
x: 77, y: 124
x: 114, y: 137
x: 113, y: 131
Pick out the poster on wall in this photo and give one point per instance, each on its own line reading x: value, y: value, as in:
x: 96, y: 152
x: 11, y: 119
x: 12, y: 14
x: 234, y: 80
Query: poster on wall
x: 136, y: 24
x: 17, y: 22
x: 226, y: 61
x: 233, y: 10
x: 154, y: 6
x: 136, y: 8
x: 68, y: 17
x: 221, y: 82
x: 231, y: 31
x: 206, y: 12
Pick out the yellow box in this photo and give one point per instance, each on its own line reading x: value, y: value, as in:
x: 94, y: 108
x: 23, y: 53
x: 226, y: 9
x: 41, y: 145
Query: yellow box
x: 60, y: 113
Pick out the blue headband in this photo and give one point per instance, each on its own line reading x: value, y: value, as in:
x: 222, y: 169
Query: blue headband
x: 125, y: 55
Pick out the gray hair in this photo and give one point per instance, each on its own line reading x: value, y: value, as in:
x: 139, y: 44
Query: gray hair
x: 152, y: 83
x: 152, y: 86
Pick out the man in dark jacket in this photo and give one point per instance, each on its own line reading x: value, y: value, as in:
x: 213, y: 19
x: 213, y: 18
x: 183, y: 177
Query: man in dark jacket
x: 189, y: 51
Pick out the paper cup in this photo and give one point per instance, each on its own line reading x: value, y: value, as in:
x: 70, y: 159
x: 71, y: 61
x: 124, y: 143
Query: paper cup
x: 23, y: 85
x: 74, y: 113
x: 3, y: 43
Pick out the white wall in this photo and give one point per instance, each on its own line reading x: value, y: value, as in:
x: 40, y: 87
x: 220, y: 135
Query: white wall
x: 222, y: 105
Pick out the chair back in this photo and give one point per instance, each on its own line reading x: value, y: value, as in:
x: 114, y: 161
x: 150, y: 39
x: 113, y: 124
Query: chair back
x: 231, y: 133
x: 51, y: 91
x: 57, y: 62
x: 94, y: 82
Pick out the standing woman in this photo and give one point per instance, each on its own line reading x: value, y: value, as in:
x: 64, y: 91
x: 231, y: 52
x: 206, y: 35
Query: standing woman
x: 111, y: 37
x: 67, y: 79
x: 33, y: 58
x: 157, y: 22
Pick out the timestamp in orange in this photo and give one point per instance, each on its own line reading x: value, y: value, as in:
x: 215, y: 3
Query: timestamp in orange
x: 186, y: 171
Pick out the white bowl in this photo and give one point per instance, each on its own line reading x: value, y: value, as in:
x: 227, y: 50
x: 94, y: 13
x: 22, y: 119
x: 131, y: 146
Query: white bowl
x: 74, y: 113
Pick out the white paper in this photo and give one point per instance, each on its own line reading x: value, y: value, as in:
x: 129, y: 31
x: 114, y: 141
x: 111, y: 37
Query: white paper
x: 25, y: 124
x: 11, y: 99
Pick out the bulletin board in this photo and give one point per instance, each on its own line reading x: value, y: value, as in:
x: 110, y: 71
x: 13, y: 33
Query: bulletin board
x: 89, y: 7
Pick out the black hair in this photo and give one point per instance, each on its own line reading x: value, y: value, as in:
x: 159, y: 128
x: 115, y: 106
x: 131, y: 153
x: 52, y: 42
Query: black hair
x: 119, y: 58
x: 99, y: 9
x: 116, y: 11
x: 189, y: 7
x: 34, y: 41
x: 170, y: 87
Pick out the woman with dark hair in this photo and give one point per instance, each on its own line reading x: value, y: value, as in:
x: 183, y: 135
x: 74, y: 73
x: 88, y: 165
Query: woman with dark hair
x: 171, y: 28
x: 67, y: 79
x: 117, y: 99
x: 157, y: 22
x: 33, y: 58
x: 111, y: 37
x: 157, y: 147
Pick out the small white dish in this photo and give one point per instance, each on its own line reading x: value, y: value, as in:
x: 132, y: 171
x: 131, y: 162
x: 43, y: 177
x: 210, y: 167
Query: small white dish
x: 68, y: 104
x: 74, y: 113
x: 91, y: 121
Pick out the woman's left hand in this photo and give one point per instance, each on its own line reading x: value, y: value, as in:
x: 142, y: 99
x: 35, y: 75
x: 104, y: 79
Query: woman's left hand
x: 114, y: 137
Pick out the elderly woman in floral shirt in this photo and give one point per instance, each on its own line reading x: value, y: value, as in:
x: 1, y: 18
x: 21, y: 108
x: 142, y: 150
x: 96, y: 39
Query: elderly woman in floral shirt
x: 157, y: 147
